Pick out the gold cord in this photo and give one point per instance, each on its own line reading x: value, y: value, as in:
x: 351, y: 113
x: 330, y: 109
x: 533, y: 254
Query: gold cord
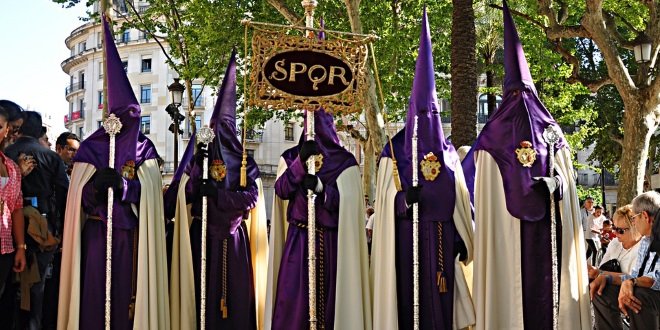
x: 223, y: 300
x: 440, y: 275
x: 243, y: 178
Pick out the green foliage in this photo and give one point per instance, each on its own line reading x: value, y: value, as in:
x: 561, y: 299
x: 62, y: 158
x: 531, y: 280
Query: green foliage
x: 594, y: 193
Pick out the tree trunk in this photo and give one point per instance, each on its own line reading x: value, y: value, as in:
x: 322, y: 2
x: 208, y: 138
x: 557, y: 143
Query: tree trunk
x: 376, y: 134
x: 463, y: 75
x: 639, y: 123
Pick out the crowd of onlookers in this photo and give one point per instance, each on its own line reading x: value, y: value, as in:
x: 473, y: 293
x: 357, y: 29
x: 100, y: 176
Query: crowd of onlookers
x: 623, y: 268
x: 34, y: 180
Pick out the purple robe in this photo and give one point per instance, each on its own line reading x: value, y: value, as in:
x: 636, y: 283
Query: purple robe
x: 225, y: 220
x: 131, y: 145
x: 523, y: 117
x: 436, y: 205
x: 291, y: 309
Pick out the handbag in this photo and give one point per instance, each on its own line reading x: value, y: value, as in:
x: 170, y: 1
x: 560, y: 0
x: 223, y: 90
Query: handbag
x: 611, y: 265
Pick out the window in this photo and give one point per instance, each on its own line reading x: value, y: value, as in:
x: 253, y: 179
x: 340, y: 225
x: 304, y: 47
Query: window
x: 198, y: 125
x: 121, y: 6
x: 99, y: 40
x: 198, y: 122
x: 100, y: 70
x: 100, y: 98
x: 146, y: 65
x: 81, y: 132
x: 99, y: 123
x: 124, y: 36
x: 81, y: 79
x: 82, y: 47
x: 250, y: 152
x: 145, y: 124
x: 196, y: 95
x: 145, y: 93
x: 288, y: 132
x: 81, y: 105
x: 125, y: 65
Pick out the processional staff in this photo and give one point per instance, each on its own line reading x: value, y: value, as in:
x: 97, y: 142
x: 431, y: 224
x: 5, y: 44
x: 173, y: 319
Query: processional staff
x: 204, y: 136
x: 551, y: 136
x: 415, y: 231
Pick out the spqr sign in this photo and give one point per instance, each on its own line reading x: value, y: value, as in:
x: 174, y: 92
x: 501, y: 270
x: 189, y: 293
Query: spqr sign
x: 308, y: 73
x: 294, y: 72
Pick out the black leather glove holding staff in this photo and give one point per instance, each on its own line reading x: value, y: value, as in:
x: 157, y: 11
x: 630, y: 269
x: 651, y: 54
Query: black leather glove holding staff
x: 413, y: 195
x: 107, y: 178
x: 311, y: 182
x: 308, y: 149
x: 201, y: 154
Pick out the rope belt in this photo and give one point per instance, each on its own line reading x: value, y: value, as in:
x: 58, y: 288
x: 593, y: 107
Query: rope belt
x: 441, y: 281
x: 223, y: 281
x: 320, y: 303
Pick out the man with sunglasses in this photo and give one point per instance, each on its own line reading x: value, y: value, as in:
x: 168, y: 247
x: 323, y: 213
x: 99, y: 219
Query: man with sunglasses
x: 638, y: 292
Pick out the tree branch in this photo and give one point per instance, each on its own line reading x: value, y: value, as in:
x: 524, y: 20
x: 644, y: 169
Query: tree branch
x: 281, y: 7
x: 152, y: 34
x: 523, y: 15
x: 592, y: 84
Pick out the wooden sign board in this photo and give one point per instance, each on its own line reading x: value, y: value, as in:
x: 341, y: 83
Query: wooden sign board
x: 295, y: 72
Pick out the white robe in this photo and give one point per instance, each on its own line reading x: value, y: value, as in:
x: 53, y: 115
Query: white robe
x: 383, y: 254
x: 182, y: 287
x: 497, y: 252
x: 152, y: 301
x: 352, y: 298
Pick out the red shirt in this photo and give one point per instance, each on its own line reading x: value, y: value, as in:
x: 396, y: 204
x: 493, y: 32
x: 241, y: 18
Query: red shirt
x: 11, y: 199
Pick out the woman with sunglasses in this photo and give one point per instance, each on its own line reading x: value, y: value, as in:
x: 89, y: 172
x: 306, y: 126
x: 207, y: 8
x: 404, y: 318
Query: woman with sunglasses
x: 624, y: 247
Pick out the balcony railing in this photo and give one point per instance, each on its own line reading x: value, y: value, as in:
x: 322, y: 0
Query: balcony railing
x: 74, y: 88
x: 267, y: 169
x: 253, y: 135
x: 142, y: 8
x: 66, y: 119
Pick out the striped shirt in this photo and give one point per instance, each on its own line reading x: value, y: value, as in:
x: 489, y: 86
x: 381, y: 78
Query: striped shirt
x: 11, y: 199
x: 647, y: 265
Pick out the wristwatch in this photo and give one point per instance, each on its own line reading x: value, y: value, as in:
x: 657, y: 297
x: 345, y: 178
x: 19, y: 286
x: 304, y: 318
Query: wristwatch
x: 21, y: 246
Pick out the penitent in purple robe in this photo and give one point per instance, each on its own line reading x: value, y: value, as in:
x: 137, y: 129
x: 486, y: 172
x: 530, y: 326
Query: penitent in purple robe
x: 291, y: 310
x: 226, y: 218
x: 131, y: 146
x: 436, y: 206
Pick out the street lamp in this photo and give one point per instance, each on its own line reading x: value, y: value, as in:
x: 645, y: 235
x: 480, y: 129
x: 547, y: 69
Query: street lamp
x: 176, y: 89
x: 642, y: 48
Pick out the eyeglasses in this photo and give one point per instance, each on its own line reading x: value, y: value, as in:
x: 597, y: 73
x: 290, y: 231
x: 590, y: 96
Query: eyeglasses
x: 634, y: 216
x: 620, y: 231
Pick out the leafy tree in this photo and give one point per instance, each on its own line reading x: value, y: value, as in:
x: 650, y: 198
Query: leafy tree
x: 612, y: 27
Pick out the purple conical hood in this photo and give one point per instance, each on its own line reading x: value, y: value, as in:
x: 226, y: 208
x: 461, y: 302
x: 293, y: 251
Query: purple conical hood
x: 516, y: 70
x: 226, y: 146
x: 438, y: 194
x: 123, y: 104
x: 522, y: 117
x: 225, y: 107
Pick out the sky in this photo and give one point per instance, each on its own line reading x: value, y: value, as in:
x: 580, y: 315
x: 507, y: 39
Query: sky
x: 31, y: 51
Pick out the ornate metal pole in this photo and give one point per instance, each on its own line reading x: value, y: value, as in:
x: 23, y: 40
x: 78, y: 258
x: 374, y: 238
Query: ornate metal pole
x: 309, y: 6
x: 112, y: 126
x: 551, y: 136
x: 415, y: 233
x: 205, y: 136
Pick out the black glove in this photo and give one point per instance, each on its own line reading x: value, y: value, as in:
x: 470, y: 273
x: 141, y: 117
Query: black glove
x: 413, y: 195
x: 310, y: 182
x: 201, y: 155
x: 460, y: 250
x: 207, y: 189
x: 107, y: 178
x: 550, y: 182
x: 308, y: 149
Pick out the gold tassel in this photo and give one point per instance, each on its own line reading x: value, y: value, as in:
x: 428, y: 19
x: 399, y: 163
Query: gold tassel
x: 395, y: 174
x: 244, y: 170
x: 223, y: 308
x: 441, y: 282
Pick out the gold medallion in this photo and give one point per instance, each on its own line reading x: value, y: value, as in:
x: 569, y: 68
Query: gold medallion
x: 318, y: 162
x: 218, y: 170
x: 430, y: 166
x: 128, y: 170
x: 526, y: 154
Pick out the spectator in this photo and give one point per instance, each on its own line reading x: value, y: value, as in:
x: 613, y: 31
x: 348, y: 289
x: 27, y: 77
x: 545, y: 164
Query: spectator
x: 585, y: 211
x: 595, y: 224
x: 606, y: 235
x: 43, y: 139
x: 369, y: 226
x: 622, y: 250
x: 638, y: 291
x: 66, y: 146
x: 12, y: 243
x: 47, y: 184
x: 15, y: 118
